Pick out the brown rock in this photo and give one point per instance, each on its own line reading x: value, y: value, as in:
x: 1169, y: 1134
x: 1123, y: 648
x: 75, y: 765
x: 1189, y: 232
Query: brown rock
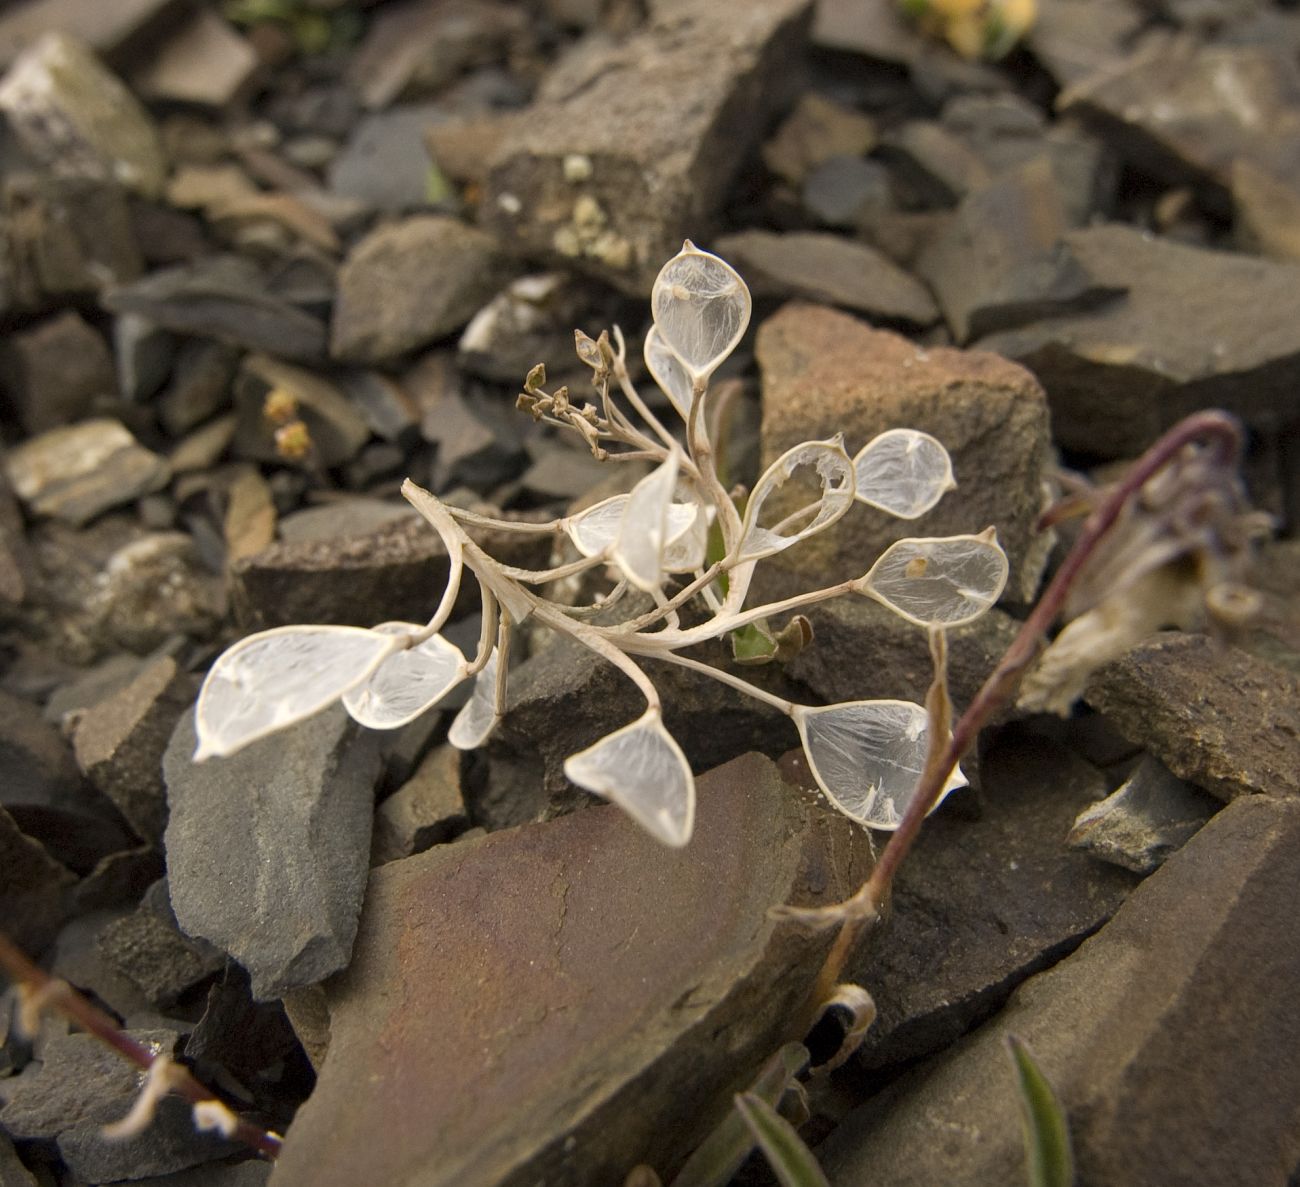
x: 204, y: 61
x: 589, y: 998
x: 825, y: 372
x: 816, y: 130
x: 629, y: 148
x: 1169, y: 1038
x: 54, y: 371
x: 427, y: 809
x: 105, y: 28
x: 1214, y: 715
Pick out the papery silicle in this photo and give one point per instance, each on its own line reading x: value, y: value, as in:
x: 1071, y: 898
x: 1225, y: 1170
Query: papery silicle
x: 408, y: 682
x: 701, y: 308
x: 834, y: 472
x: 904, y: 472
x: 942, y: 581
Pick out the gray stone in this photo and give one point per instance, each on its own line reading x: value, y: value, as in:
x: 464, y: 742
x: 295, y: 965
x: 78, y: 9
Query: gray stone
x: 1172, y: 1066
x: 119, y: 743
x: 848, y: 192
x: 199, y: 387
x: 629, y: 148
x: 654, y: 981
x: 1266, y: 212
x: 828, y: 268
x: 1185, y: 112
x: 1073, y: 39
x: 106, y: 28
x: 226, y: 298
x: 817, y: 129
x: 385, y: 163
x: 251, y: 1172
x: 267, y: 850
x: 337, y: 430
x: 77, y: 472
x: 202, y: 449
x: 409, y: 283
x: 17, y: 566
x: 33, y: 888
x: 936, y: 163
x: 78, y: 119
x: 999, y: 262
x: 1197, y: 329
x: 1213, y: 714
x: 202, y: 61
x: 1150, y: 815
x: 872, y: 28
x: 825, y: 372
x: 54, y: 371
x: 383, y: 403
x: 150, y: 951
x: 144, y: 357
x: 861, y: 650
x: 480, y: 442
x: 83, y: 1085
x: 428, y: 809
x: 45, y: 794
x: 982, y: 904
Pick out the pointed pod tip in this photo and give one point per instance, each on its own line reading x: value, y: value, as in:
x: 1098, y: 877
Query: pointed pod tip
x: 687, y: 245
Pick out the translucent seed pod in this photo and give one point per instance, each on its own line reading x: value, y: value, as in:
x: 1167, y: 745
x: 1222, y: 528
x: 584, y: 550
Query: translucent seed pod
x: 701, y: 308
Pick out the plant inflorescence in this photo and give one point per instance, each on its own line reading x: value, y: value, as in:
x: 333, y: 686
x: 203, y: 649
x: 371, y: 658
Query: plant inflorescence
x: 687, y: 545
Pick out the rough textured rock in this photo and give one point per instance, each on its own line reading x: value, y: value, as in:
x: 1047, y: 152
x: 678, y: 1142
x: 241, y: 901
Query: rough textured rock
x: 77, y: 119
x: 427, y: 809
x: 80, y: 1087
x: 410, y: 283
x: 1150, y: 815
x: 54, y: 371
x: 999, y: 262
x: 825, y: 372
x: 1197, y: 329
x: 1156, y: 107
x: 1172, y: 1066
x: 227, y: 298
x: 1214, y: 715
x: 652, y: 982
x: 982, y: 904
x: 828, y: 268
x: 629, y: 148
x: 77, y: 472
x: 267, y: 850
x: 394, y: 572
x: 119, y: 743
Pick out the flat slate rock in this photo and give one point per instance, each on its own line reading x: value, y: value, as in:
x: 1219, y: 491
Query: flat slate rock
x: 33, y: 888
x: 629, y: 147
x: 561, y: 1001
x: 81, y: 1086
x: 828, y: 268
x: 267, y: 850
x: 1214, y: 715
x: 1196, y: 329
x: 1169, y: 1038
x: 105, y: 28
x: 825, y: 372
x: 984, y: 903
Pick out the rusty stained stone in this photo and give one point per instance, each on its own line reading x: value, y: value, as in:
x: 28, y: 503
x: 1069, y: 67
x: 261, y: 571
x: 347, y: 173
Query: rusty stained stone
x: 558, y: 1002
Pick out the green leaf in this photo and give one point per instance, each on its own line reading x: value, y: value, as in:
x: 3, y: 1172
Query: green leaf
x: 792, y: 1161
x: 753, y: 643
x: 1047, y: 1137
x: 720, y: 1155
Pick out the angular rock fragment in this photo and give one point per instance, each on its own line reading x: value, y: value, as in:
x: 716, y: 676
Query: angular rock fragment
x: 1171, y: 1064
x: 33, y: 888
x: 202, y: 61
x: 82, y: 1085
x: 1186, y: 112
x: 825, y: 372
x: 1196, y: 329
x: 828, y: 268
x: 848, y: 192
x: 77, y: 472
x: 816, y: 130
x: 1148, y: 817
x: 107, y: 29
x: 267, y: 850
x: 407, y: 284
x: 999, y: 262
x: 426, y: 810
x: 628, y: 149
x: 597, y: 995
x: 1266, y: 211
x: 78, y: 119
x: 983, y: 904
x: 1214, y: 715
x: 17, y: 567
x: 54, y: 371
x: 119, y: 743
x: 226, y: 298
x: 12, y: 1171
x: 1073, y: 39
x: 385, y: 163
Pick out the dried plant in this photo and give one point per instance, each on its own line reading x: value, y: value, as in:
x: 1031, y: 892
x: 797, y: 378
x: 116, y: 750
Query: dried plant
x: 865, y: 755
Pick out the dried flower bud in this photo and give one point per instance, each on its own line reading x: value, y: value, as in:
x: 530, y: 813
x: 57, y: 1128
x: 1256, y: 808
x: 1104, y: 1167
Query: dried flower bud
x: 293, y: 441
x: 280, y: 406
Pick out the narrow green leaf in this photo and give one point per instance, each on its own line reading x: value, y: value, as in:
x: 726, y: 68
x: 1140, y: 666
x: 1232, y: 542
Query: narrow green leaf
x: 719, y: 1156
x: 1047, y: 1136
x: 792, y: 1161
